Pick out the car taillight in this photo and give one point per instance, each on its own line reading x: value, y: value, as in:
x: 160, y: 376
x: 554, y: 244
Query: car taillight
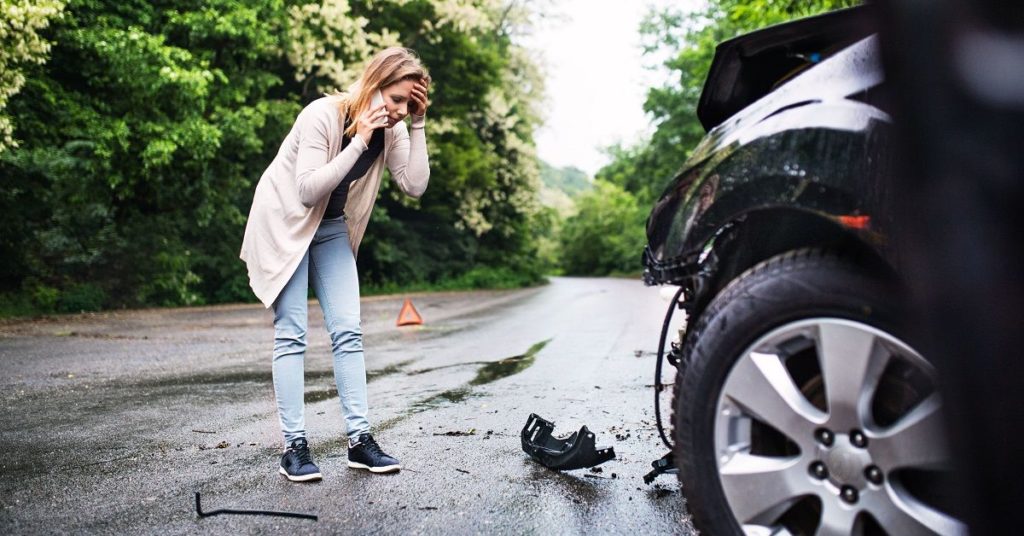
x: 855, y: 222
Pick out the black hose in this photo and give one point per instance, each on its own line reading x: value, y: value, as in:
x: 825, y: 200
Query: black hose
x: 201, y: 513
x: 657, y: 368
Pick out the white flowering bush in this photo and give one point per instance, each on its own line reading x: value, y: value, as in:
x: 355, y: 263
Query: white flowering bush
x: 21, y: 44
x: 326, y: 41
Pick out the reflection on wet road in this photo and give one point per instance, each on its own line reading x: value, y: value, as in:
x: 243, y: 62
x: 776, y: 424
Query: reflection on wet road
x: 111, y: 421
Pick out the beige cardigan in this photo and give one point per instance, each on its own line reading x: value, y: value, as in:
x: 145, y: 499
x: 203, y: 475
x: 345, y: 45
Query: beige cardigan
x: 292, y: 195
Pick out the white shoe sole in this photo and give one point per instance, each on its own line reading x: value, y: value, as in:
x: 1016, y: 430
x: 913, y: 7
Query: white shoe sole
x: 384, y: 469
x: 299, y: 478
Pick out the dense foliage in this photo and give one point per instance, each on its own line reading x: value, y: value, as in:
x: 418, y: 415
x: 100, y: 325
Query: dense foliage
x: 602, y: 237
x: 686, y: 43
x: 141, y: 139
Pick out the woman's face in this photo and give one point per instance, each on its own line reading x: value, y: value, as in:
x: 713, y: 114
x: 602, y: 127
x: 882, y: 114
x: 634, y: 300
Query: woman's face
x: 396, y: 100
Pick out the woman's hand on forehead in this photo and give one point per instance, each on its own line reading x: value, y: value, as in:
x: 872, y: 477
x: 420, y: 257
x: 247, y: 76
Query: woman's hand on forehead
x: 419, y: 95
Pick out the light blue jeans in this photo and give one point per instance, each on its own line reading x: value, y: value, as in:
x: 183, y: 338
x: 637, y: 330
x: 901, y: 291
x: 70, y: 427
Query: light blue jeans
x: 330, y: 267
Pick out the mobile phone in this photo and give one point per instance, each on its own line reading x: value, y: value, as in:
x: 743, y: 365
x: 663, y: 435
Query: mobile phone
x: 376, y: 102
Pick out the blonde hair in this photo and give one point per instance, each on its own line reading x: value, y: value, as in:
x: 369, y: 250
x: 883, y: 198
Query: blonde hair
x: 389, y: 66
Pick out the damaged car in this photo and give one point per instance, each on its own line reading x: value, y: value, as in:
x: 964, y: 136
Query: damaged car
x: 800, y: 404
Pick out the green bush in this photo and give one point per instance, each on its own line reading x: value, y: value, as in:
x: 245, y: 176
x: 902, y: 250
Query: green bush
x: 81, y: 298
x: 606, y: 236
x: 43, y: 297
x: 501, y: 277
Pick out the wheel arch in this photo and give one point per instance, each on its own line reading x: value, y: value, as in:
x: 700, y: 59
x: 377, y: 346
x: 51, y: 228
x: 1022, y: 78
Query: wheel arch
x: 760, y: 234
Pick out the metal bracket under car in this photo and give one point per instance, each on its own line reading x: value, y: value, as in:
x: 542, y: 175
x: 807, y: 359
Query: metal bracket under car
x: 666, y: 465
x: 574, y: 452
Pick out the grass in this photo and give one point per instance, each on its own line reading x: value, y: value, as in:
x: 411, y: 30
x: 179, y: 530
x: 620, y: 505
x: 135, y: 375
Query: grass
x: 475, y: 279
x: 21, y: 304
x: 16, y: 304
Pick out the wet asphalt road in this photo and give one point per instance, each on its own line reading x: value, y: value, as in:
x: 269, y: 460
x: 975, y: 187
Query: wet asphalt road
x: 111, y: 421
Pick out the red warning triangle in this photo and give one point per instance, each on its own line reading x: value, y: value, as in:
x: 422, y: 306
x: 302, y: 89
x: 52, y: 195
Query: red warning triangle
x: 408, y: 316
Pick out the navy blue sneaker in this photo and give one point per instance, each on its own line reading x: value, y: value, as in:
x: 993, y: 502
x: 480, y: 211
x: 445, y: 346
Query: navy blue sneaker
x: 297, y: 463
x: 366, y: 454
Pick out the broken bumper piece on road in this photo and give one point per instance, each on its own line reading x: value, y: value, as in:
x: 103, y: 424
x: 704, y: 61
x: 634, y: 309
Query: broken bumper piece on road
x: 574, y: 452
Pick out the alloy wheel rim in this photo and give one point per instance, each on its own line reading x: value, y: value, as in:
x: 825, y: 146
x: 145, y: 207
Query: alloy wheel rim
x: 792, y: 444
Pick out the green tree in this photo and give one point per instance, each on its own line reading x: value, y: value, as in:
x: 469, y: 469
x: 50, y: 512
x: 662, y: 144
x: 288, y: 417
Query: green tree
x: 144, y: 136
x: 141, y: 139
x: 480, y: 209
x: 606, y: 235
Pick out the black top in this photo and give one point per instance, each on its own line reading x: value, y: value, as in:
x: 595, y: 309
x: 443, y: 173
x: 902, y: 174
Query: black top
x: 336, y: 206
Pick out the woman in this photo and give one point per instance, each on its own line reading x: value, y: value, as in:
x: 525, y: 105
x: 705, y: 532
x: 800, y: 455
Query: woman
x: 308, y: 216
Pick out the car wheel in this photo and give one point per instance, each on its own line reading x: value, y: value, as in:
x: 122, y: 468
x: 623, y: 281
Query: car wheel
x: 804, y: 411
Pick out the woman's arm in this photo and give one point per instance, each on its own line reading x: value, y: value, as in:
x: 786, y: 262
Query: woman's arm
x: 407, y: 158
x: 315, y: 172
x: 315, y: 175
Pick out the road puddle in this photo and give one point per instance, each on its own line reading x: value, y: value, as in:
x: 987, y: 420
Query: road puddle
x: 504, y: 368
x: 265, y: 376
x: 490, y: 371
x: 233, y: 377
x: 451, y: 396
x: 376, y: 374
x: 319, y: 395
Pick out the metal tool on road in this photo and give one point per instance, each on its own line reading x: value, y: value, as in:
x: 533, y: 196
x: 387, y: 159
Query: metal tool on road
x: 201, y: 513
x: 574, y: 452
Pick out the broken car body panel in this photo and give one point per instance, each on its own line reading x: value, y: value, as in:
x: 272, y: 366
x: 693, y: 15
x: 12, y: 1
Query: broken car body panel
x: 817, y: 143
x: 752, y: 65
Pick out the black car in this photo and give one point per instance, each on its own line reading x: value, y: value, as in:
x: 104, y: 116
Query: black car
x: 800, y: 404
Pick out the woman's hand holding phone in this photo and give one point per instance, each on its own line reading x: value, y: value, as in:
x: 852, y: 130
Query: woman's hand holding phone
x: 374, y: 117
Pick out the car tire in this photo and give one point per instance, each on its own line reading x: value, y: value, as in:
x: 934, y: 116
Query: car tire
x: 766, y: 440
